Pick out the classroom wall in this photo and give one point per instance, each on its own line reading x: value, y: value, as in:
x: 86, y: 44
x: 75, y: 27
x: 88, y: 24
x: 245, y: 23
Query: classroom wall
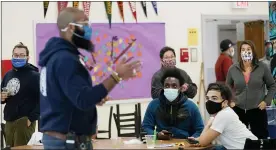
x: 18, y: 18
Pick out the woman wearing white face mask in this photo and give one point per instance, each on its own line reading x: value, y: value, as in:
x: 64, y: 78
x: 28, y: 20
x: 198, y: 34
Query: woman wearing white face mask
x: 248, y: 79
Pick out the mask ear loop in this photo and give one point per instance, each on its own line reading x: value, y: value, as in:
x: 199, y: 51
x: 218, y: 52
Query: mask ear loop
x: 66, y: 28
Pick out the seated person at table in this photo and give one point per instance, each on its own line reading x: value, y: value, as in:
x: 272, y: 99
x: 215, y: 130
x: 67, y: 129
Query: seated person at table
x: 172, y: 111
x: 224, y: 123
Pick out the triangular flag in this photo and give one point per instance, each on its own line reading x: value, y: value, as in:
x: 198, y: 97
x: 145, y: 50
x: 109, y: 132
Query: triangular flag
x: 121, y: 9
x: 144, y: 5
x: 108, y: 9
x: 76, y: 4
x: 86, y: 8
x: 45, y: 5
x: 154, y: 4
x: 61, y: 6
x: 133, y: 9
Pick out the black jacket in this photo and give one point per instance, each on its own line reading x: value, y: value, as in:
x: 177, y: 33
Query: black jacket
x: 23, y: 85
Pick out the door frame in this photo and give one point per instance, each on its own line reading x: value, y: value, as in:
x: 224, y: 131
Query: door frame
x: 207, y: 51
x: 205, y: 18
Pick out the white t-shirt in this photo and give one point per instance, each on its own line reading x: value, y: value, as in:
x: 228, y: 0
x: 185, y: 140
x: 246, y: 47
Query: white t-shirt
x: 233, y: 132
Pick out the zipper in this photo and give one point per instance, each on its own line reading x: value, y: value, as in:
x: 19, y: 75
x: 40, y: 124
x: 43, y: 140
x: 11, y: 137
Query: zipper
x: 245, y: 96
x: 246, y: 89
x: 171, y: 115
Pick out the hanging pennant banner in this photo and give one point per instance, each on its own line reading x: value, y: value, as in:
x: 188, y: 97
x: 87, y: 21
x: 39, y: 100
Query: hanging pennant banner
x: 108, y: 9
x: 61, y: 6
x: 45, y: 5
x: 75, y: 4
x: 133, y: 9
x: 144, y: 5
x: 121, y: 9
x: 154, y: 4
x: 86, y: 8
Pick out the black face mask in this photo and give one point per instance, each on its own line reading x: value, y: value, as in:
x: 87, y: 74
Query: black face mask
x: 81, y: 42
x: 213, y: 107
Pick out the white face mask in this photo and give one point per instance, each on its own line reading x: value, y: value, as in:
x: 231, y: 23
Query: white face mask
x: 232, y: 53
x: 246, y: 55
x: 171, y: 94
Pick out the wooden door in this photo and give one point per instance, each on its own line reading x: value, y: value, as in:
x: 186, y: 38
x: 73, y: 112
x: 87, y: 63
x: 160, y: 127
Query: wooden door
x: 254, y: 31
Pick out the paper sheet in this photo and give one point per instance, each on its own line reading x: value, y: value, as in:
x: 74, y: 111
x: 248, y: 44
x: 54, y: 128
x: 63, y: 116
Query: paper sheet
x: 192, y: 37
x: 164, y: 145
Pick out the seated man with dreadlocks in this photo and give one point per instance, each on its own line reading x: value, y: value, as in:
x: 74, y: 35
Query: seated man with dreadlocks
x: 173, y: 114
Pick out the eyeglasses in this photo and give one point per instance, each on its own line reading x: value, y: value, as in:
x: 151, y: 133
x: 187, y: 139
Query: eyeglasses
x: 19, y: 56
x: 168, y: 58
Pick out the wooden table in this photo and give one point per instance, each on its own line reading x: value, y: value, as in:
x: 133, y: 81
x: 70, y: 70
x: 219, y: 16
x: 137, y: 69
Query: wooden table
x: 118, y: 144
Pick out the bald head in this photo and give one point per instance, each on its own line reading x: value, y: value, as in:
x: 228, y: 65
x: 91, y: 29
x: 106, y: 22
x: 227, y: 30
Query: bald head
x: 69, y: 15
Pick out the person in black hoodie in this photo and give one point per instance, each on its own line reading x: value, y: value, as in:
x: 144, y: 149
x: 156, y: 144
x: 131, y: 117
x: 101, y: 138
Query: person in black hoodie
x: 67, y: 97
x: 172, y: 112
x: 20, y: 93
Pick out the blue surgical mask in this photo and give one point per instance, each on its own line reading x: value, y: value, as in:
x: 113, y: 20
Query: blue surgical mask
x: 171, y: 94
x: 86, y: 29
x: 87, y: 33
x: 19, y: 62
x: 81, y: 38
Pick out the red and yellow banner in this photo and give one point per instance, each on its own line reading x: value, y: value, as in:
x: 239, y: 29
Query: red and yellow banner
x: 61, y: 6
x: 86, y: 8
x: 132, y: 6
x: 76, y: 4
x: 121, y: 9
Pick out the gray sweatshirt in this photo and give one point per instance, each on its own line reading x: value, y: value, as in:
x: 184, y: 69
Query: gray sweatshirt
x: 157, y: 86
x: 249, y: 96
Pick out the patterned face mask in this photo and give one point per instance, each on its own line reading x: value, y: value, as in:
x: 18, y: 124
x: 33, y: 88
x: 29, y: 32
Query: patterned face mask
x: 246, y: 55
x: 168, y: 62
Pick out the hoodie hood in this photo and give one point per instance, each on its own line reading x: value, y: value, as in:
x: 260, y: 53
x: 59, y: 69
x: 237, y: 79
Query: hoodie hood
x: 27, y: 67
x: 54, y: 45
x: 169, y: 111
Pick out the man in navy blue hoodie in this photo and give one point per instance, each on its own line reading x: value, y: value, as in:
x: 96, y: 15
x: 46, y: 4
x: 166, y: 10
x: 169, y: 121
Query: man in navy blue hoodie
x: 173, y: 114
x: 20, y: 93
x: 68, y: 99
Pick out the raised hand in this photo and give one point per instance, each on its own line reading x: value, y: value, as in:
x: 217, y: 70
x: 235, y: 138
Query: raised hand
x: 127, y: 70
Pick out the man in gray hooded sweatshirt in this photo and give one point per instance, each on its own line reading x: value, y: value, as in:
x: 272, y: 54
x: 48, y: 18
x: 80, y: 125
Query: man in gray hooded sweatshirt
x: 167, y: 57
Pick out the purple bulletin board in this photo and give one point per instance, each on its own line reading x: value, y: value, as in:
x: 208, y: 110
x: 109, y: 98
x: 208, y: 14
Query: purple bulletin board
x: 150, y: 38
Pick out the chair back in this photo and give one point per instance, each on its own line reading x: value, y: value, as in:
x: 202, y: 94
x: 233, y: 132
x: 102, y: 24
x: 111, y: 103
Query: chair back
x: 109, y: 125
x: 260, y: 144
x: 128, y: 122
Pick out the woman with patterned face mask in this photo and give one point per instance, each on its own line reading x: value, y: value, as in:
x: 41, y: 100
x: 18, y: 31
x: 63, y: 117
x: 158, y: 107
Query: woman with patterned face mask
x: 248, y: 78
